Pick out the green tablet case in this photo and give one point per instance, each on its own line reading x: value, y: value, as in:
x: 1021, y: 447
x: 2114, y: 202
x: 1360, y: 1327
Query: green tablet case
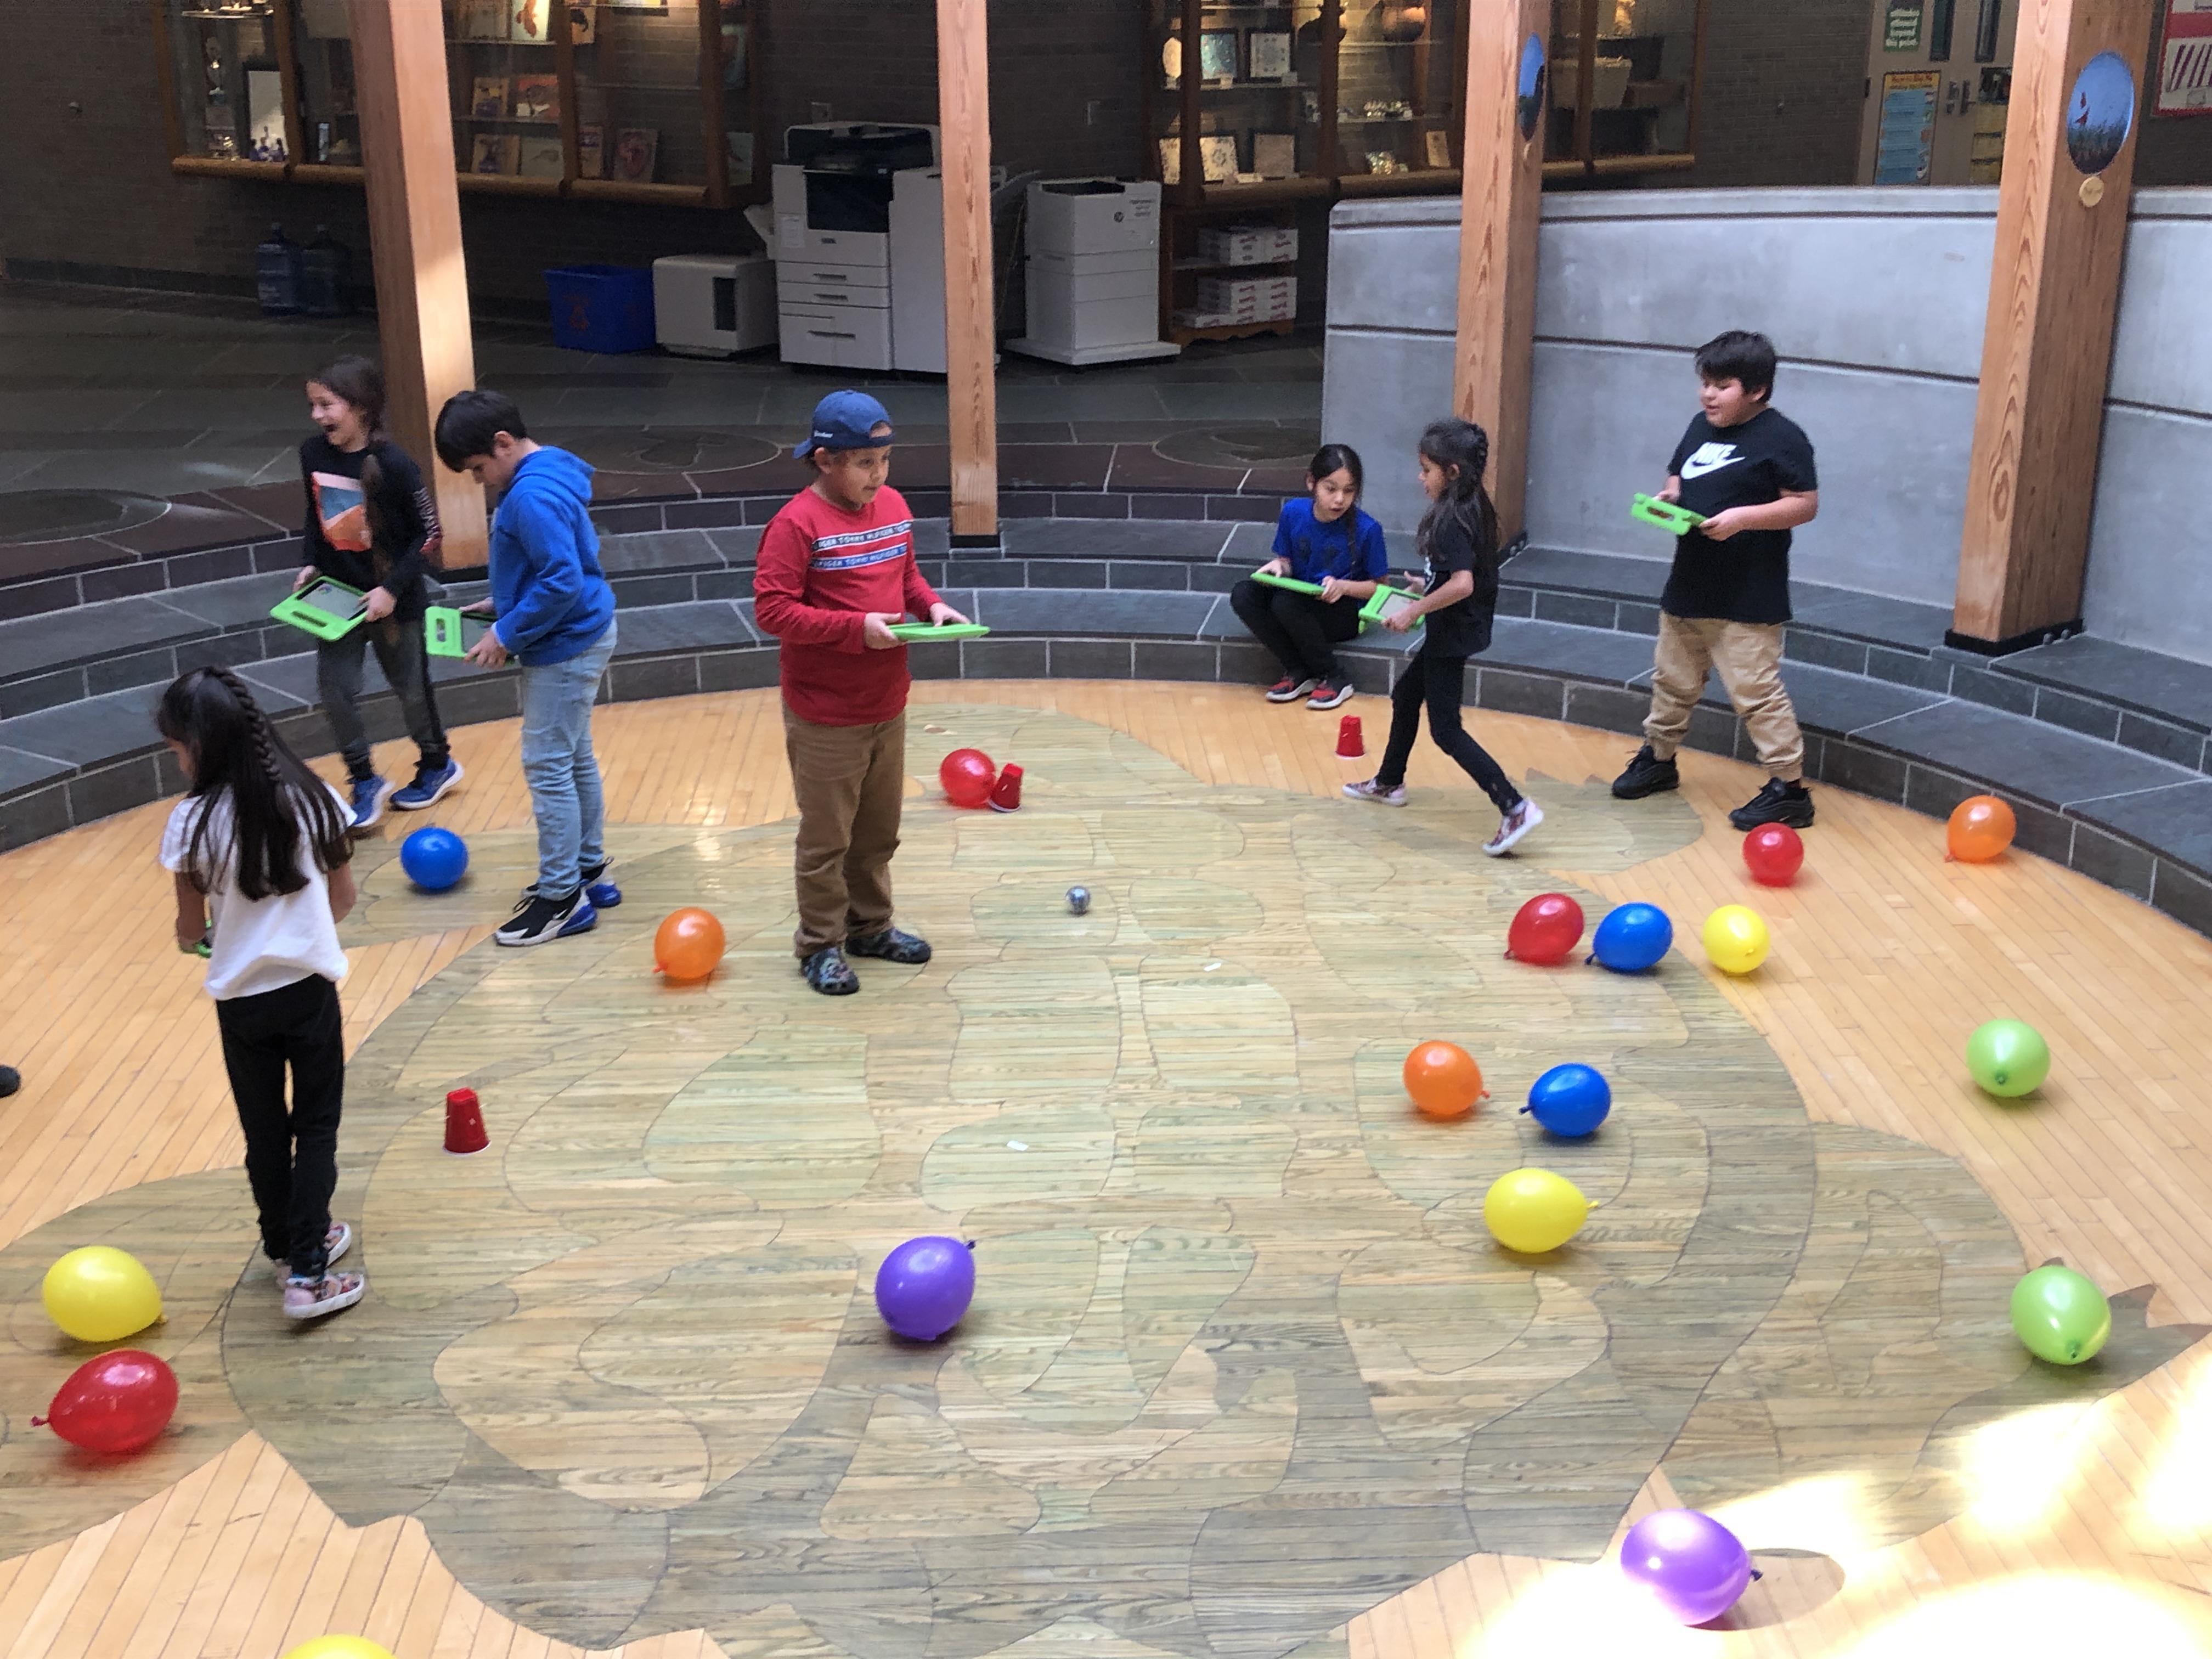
x: 447, y: 632
x: 1667, y: 515
x: 914, y: 633
x: 322, y: 623
x: 1383, y: 599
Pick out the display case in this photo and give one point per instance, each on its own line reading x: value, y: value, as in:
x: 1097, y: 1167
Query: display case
x: 627, y: 100
x: 1625, y: 78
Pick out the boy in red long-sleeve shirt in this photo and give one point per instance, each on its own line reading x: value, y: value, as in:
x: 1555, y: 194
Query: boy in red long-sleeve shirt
x: 836, y: 569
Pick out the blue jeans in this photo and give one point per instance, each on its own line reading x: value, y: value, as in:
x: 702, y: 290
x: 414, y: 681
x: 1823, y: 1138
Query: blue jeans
x: 562, y: 772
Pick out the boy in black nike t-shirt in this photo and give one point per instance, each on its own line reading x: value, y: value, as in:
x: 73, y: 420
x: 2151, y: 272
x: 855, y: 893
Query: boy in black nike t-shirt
x: 1748, y: 469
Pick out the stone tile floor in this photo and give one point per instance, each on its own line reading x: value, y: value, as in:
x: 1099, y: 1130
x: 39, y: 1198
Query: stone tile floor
x: 168, y: 394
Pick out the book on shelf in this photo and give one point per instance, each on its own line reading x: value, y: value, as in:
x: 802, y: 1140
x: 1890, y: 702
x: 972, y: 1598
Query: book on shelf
x: 1217, y: 55
x: 488, y: 97
x: 583, y: 24
x: 1269, y: 50
x: 591, y: 152
x: 531, y: 22
x: 495, y: 152
x: 536, y: 97
x: 1217, y: 157
x: 1275, y: 154
x: 483, y: 19
x: 541, y: 158
x: 637, y: 149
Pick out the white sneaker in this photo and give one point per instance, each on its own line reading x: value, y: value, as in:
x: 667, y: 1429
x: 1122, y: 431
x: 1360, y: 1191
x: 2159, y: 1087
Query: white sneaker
x: 1371, y: 790
x: 336, y: 1243
x: 311, y: 1298
x: 1513, y: 826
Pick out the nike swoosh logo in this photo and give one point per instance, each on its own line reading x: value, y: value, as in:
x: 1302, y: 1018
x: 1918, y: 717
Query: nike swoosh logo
x: 1707, y: 461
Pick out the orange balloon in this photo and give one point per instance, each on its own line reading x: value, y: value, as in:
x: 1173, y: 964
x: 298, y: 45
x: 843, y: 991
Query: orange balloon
x: 1981, y: 827
x: 687, y: 944
x: 1443, y: 1078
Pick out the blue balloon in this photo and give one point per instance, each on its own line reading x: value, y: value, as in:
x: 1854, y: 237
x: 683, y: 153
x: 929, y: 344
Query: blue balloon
x: 433, y: 859
x: 1570, y: 1100
x: 1631, y: 938
x: 925, y: 1285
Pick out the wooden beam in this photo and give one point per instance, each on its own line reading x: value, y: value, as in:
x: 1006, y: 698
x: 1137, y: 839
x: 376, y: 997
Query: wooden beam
x: 2047, y: 345
x: 414, y: 239
x: 963, y: 102
x: 1501, y: 182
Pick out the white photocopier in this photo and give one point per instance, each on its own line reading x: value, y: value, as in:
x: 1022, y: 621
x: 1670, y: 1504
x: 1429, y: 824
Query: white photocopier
x: 860, y: 247
x: 1094, y: 272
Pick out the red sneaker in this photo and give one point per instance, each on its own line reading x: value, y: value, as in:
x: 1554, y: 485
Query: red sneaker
x: 1290, y: 688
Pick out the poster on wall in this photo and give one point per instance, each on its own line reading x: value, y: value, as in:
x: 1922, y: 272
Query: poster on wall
x: 1908, y: 127
x: 2184, y: 60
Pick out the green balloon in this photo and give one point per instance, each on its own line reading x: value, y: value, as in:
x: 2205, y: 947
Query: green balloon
x: 2008, y: 1058
x: 2061, y: 1315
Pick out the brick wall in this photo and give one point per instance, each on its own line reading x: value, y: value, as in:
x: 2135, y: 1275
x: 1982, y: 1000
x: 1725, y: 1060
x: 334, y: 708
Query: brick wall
x: 91, y: 195
x: 1784, y: 93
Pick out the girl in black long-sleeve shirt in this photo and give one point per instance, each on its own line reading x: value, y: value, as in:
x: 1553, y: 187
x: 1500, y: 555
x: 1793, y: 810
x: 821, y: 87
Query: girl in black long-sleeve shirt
x: 372, y: 524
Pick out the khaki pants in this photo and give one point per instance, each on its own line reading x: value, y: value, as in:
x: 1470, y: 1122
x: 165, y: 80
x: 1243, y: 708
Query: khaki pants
x: 1748, y: 658
x: 850, y: 781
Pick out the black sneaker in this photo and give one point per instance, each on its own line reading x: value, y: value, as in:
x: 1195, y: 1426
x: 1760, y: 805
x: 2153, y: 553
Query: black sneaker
x: 1328, y: 694
x: 1779, y: 803
x: 1290, y: 688
x: 1647, y: 774
x: 540, y: 921
x: 828, y: 972
x: 891, y: 945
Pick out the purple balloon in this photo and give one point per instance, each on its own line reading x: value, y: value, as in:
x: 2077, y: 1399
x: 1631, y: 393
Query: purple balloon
x: 924, y: 1286
x: 1693, y: 1564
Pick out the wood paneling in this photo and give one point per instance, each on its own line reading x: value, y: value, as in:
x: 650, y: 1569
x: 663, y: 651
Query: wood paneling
x: 415, y: 242
x: 964, y: 105
x: 1921, y: 1196
x: 2047, y: 345
x: 1501, y: 182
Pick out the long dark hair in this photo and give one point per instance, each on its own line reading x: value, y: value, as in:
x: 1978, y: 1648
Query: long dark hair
x: 360, y: 382
x: 1339, y: 458
x: 1465, y: 502
x: 274, y: 799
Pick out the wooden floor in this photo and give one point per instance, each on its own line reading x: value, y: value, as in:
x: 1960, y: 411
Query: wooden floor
x: 1173, y: 1130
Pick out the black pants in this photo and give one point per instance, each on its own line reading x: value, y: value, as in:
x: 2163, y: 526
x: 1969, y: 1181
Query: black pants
x: 291, y: 1155
x: 403, y: 654
x: 1437, y: 680
x: 1297, y: 628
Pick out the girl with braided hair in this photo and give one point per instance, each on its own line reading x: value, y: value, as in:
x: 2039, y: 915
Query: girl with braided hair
x: 260, y: 852
x: 1458, y: 537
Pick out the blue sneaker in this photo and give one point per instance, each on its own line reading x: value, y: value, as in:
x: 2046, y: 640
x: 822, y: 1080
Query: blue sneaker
x: 430, y: 785
x: 603, y: 893
x: 540, y: 921
x: 369, y: 797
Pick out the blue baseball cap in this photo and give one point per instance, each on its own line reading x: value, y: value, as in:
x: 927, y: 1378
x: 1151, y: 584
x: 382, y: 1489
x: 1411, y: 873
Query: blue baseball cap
x: 846, y: 420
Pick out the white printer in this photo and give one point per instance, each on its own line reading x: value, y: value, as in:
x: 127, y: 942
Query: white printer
x: 1094, y: 272
x: 860, y: 247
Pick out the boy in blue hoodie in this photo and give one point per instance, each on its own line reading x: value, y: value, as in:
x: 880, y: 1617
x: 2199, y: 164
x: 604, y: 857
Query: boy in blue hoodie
x: 556, y: 618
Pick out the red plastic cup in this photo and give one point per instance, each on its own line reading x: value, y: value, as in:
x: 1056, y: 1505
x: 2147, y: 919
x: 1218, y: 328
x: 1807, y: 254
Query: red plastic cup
x: 1007, y: 793
x: 465, y: 1125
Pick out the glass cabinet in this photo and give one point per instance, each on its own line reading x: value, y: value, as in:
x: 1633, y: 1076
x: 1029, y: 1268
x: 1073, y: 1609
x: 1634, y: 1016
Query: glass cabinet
x: 633, y: 99
x: 1623, y: 87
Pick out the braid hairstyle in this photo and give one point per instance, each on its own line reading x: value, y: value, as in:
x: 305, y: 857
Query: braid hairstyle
x: 275, y: 800
x: 360, y: 382
x: 1461, y: 449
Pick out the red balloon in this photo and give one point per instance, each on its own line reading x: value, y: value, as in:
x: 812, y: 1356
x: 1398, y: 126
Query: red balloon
x: 116, y: 1403
x: 968, y: 776
x: 1545, y: 930
x: 1775, y: 855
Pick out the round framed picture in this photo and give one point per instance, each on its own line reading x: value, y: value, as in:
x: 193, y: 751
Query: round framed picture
x: 2101, y: 111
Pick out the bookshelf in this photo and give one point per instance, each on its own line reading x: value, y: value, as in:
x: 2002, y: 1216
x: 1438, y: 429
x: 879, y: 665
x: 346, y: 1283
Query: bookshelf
x: 647, y: 100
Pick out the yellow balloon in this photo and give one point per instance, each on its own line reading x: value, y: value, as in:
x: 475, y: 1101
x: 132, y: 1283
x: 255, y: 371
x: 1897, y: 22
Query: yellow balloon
x: 1532, y: 1211
x: 101, y: 1294
x: 1735, y: 939
x: 339, y: 1647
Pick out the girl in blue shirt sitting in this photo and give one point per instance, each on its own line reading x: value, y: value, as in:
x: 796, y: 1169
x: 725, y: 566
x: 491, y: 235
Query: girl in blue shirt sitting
x: 1325, y: 539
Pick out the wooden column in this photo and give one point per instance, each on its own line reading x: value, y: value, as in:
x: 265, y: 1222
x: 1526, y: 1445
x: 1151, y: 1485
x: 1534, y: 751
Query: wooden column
x: 963, y: 104
x: 2047, y: 346
x: 415, y: 237
x: 1501, y: 181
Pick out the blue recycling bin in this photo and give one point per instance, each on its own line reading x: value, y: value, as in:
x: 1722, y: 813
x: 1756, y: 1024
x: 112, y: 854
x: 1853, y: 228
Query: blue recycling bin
x: 605, y: 308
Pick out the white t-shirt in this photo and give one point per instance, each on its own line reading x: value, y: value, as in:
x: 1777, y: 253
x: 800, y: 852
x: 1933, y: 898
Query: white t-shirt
x: 260, y: 945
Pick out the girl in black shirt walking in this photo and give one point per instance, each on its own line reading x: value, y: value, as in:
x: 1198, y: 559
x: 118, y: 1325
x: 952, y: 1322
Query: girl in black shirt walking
x: 1458, y: 537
